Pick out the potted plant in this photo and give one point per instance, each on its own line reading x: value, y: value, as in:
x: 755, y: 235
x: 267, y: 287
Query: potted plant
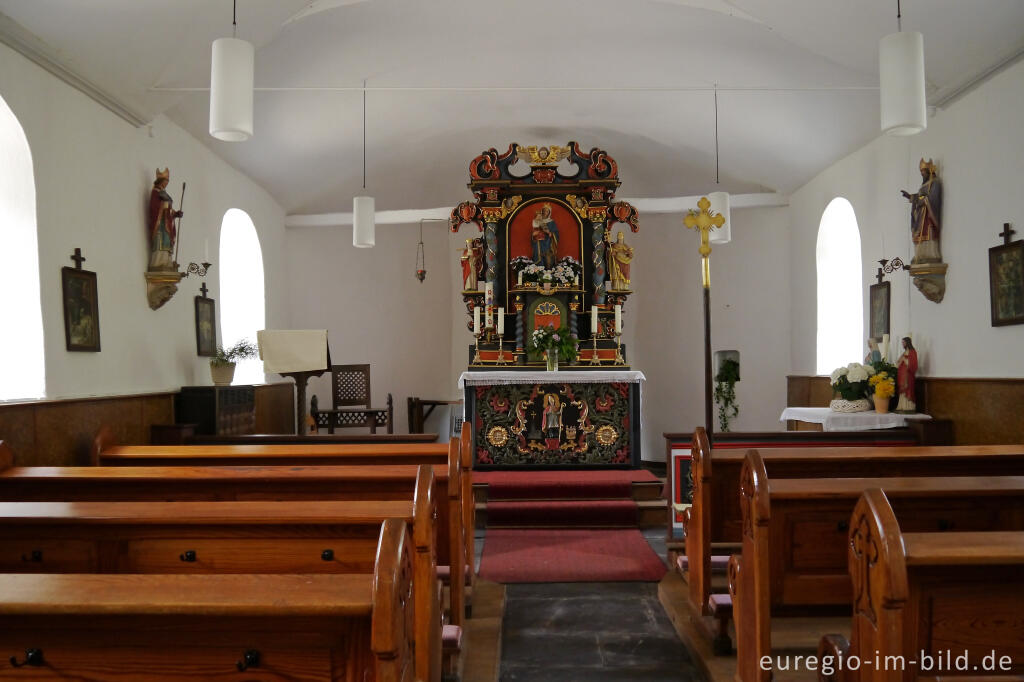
x: 222, y: 365
x: 555, y: 343
x: 851, y: 383
x: 725, y: 392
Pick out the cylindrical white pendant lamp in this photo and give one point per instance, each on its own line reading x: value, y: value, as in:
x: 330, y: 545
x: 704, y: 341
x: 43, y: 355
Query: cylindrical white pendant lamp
x: 720, y: 205
x: 362, y: 222
x: 901, y: 81
x: 231, y: 88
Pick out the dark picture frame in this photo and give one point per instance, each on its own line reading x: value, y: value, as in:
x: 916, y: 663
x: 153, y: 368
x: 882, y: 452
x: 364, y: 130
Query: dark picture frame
x: 879, y: 299
x: 81, y: 310
x: 1006, y: 283
x: 206, y: 327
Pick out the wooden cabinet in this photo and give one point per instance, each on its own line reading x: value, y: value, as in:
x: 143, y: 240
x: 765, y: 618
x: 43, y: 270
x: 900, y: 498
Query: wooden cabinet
x: 217, y: 410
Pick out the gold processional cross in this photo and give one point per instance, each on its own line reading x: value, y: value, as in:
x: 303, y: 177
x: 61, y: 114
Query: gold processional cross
x: 704, y: 221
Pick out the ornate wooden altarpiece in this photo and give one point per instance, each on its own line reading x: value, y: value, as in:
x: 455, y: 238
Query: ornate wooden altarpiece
x: 515, y: 192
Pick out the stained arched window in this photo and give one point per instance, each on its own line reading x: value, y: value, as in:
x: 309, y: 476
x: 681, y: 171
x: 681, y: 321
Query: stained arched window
x: 242, y: 304
x: 840, y: 288
x: 22, y: 363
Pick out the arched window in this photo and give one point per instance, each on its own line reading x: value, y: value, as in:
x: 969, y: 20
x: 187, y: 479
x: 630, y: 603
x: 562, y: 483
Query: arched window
x: 242, y: 306
x: 840, y: 285
x: 22, y: 364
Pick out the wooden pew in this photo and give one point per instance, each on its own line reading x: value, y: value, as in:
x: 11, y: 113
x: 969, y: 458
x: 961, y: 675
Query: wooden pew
x: 930, y: 593
x: 106, y: 452
x: 715, y: 516
x: 299, y: 537
x: 334, y: 439
x: 355, y: 627
x: 183, y: 483
x: 795, y: 533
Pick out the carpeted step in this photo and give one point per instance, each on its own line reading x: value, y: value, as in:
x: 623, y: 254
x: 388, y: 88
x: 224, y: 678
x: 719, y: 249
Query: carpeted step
x: 562, y: 513
x: 561, y: 485
x: 568, y: 555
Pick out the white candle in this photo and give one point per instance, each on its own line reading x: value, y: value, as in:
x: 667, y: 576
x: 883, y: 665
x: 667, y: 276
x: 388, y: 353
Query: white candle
x: 520, y: 278
x: 885, y: 347
x: 618, y: 318
x: 593, y: 320
x: 501, y: 321
x: 576, y: 280
x: 476, y: 321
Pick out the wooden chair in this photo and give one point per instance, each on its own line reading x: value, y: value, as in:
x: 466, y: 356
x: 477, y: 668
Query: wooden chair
x: 350, y: 392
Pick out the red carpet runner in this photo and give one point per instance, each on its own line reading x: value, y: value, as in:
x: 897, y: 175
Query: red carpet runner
x: 524, y: 544
x: 568, y: 555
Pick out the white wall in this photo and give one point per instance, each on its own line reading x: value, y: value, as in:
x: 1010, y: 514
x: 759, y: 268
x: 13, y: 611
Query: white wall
x: 978, y: 143
x: 375, y: 310
x: 93, y: 174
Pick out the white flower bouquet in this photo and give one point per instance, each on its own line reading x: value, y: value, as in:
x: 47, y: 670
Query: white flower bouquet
x: 851, y: 382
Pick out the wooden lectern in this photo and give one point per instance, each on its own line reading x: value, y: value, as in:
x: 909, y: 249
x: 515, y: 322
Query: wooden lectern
x: 299, y: 354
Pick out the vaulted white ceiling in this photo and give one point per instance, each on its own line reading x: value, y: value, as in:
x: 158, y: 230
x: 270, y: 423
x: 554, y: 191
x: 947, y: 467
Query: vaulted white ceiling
x: 797, y: 83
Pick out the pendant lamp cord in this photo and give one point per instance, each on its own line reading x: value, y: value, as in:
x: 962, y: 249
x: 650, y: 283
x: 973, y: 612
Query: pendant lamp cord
x: 716, y: 133
x: 234, y: 18
x: 364, y: 133
x: 899, y: 17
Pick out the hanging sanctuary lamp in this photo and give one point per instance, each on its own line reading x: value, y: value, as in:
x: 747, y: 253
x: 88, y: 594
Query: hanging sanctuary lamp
x: 421, y: 266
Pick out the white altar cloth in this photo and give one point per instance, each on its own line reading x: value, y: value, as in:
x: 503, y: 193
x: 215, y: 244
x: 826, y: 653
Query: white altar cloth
x: 849, y: 421
x: 499, y: 378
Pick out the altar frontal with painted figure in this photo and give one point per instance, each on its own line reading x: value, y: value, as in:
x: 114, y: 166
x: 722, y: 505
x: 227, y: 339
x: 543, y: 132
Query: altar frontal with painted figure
x: 551, y: 294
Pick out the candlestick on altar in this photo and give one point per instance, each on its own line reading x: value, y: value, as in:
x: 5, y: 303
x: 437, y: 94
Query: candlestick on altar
x: 619, y: 360
x: 501, y: 350
x: 476, y: 357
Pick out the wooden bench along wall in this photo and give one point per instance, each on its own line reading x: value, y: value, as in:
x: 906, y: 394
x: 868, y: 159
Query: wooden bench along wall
x: 930, y: 593
x: 716, y: 517
x: 293, y: 537
x: 351, y: 628
x: 795, y: 534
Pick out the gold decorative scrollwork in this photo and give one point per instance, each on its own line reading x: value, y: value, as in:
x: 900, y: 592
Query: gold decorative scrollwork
x: 547, y: 308
x: 607, y: 435
x: 578, y: 204
x: 497, y: 436
x: 542, y: 156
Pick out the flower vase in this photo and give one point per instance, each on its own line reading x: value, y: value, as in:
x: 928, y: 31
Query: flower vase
x: 881, y: 404
x: 552, y: 357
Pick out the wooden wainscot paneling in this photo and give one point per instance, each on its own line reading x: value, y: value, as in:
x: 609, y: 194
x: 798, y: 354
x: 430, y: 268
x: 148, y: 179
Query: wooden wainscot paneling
x: 60, y: 432
x: 981, y: 410
x: 275, y: 408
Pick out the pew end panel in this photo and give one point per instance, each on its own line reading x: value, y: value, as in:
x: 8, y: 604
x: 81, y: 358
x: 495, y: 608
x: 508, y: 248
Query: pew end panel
x: 698, y: 527
x: 752, y: 622
x: 392, y: 636
x: 425, y: 515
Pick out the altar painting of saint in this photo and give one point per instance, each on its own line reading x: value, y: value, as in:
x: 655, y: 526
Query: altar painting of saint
x: 545, y: 232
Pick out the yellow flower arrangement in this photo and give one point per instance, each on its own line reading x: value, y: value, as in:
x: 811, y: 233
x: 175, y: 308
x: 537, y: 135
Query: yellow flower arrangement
x: 883, y: 385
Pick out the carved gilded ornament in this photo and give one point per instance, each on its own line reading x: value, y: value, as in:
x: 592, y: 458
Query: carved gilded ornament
x: 578, y: 204
x: 606, y: 435
x: 597, y: 214
x: 497, y: 436
x: 542, y: 156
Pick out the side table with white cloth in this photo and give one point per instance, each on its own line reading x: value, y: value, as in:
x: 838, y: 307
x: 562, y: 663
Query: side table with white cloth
x: 850, y: 421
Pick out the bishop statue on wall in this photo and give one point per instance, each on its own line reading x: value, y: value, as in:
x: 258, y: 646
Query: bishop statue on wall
x: 161, y: 229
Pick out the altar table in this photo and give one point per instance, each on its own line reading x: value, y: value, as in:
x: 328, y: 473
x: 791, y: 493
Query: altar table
x: 562, y: 419
x: 849, y: 421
